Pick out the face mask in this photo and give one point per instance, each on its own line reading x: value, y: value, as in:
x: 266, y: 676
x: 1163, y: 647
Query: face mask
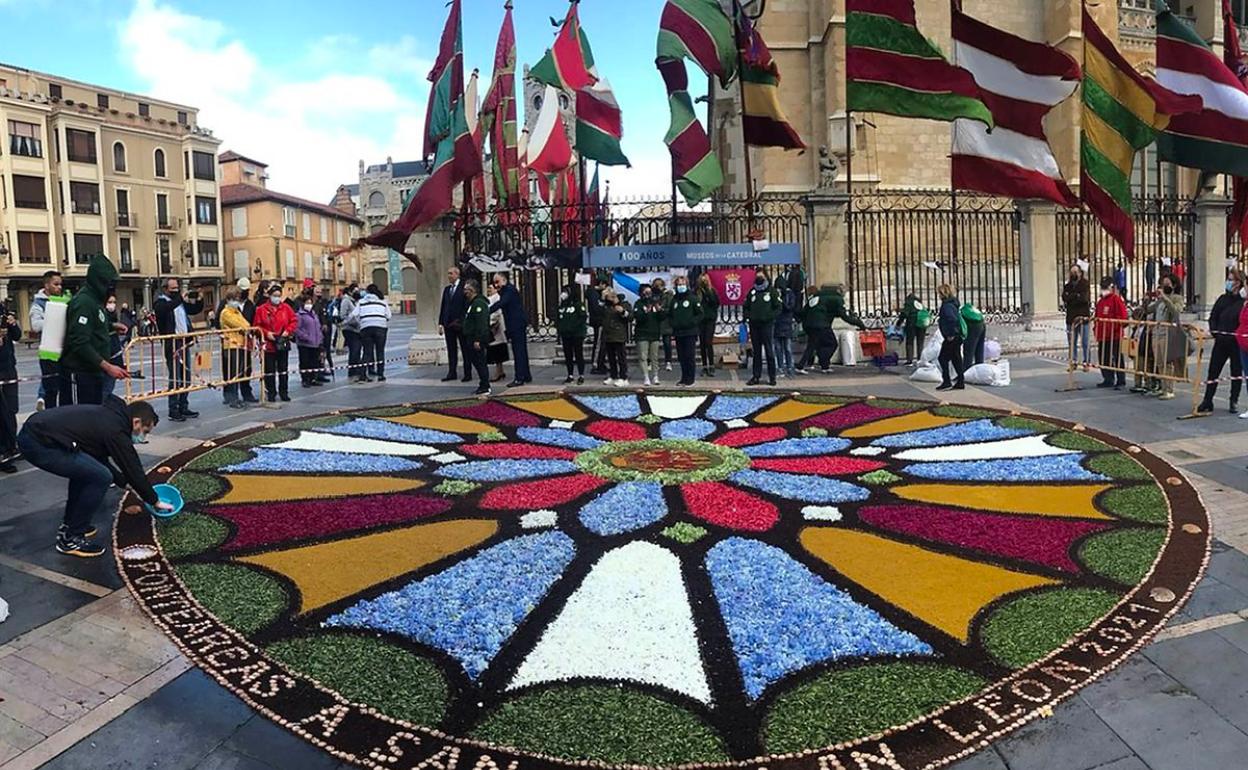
x: 236, y: 305
x: 138, y: 438
x: 1243, y: 292
x: 563, y: 296
x: 682, y: 289
x: 307, y: 306
x: 1106, y: 292
x: 760, y: 284
x: 275, y: 300
x: 111, y: 307
x: 646, y: 296
x: 1230, y: 286
x: 1167, y: 290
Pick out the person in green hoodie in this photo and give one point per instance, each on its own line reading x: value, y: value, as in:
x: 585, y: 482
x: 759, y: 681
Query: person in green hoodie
x: 85, y: 358
x: 914, y: 320
x: 648, y: 316
x: 817, y: 317
x: 572, y: 326
x: 686, y: 314
x: 615, y: 319
x: 762, y: 305
x: 709, y: 299
x: 973, y: 346
x: 476, y: 331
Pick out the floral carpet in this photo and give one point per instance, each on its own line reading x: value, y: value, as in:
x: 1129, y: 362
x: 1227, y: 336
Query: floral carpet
x: 664, y: 579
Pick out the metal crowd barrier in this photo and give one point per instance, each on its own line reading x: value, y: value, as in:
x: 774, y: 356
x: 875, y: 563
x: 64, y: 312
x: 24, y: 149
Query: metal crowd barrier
x: 1150, y: 366
x: 173, y: 364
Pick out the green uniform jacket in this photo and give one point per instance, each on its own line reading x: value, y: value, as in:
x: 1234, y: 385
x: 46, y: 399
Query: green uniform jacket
x: 710, y: 304
x: 665, y: 323
x: 685, y: 314
x: 572, y: 319
x: 825, y: 307
x: 650, y: 317
x: 909, y: 318
x: 86, y: 329
x: 615, y: 324
x: 477, y: 322
x: 762, y: 306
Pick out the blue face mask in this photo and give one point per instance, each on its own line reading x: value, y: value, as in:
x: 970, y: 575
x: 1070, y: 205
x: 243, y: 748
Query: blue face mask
x: 138, y: 438
x: 1230, y: 286
x: 682, y: 289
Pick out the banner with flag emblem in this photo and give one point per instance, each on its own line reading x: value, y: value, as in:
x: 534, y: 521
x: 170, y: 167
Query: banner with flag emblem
x: 765, y: 122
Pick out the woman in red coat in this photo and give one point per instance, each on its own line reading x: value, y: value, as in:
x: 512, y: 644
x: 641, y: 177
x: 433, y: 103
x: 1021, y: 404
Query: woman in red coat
x: 277, y: 322
x: 1111, y: 311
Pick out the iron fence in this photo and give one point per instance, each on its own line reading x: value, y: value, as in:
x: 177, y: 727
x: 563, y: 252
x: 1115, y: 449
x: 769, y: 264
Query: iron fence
x: 903, y: 241
x: 542, y: 242
x: 1164, y: 244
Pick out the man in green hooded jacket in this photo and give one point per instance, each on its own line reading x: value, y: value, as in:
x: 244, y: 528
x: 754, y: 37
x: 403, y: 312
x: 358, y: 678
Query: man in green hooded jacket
x: 85, y: 358
x: 817, y: 317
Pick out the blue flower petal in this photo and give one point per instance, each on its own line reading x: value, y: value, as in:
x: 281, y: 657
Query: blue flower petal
x: 809, y: 489
x: 391, y: 431
x: 781, y: 617
x: 615, y: 407
x: 690, y: 428
x: 471, y: 609
x: 625, y: 507
x: 506, y: 470
x: 961, y: 433
x: 738, y: 407
x: 798, y: 447
x: 1057, y: 468
x: 302, y: 461
x: 560, y: 437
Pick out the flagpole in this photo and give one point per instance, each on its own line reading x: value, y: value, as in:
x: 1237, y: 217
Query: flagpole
x: 953, y: 186
x: 745, y: 144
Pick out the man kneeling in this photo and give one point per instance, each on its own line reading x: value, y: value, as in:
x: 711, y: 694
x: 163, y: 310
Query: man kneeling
x: 93, y: 447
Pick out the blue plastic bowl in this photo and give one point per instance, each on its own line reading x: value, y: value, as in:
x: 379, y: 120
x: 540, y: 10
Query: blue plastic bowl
x: 167, y: 494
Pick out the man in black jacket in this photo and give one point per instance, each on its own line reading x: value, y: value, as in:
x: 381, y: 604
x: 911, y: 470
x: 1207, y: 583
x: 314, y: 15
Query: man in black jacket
x: 93, y: 447
x: 10, y: 332
x: 450, y: 325
x: 173, y: 317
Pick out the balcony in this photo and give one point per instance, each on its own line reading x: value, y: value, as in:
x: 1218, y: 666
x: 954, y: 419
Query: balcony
x: 1137, y: 22
x: 127, y: 221
x: 168, y: 224
x: 83, y: 207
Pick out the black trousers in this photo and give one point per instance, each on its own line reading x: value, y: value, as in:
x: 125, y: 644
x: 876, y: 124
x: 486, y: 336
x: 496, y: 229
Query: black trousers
x: 8, y: 415
x: 476, y: 359
x: 455, y: 344
x: 763, y: 342
x: 706, y: 340
x: 233, y: 365
x: 951, y: 353
x: 574, y: 352
x: 1110, y: 357
x: 973, y: 347
x: 88, y: 388
x: 309, y: 364
x: 598, y: 353
x: 178, y: 364
x: 276, y: 374
x: 374, y: 339
x: 1225, y: 348
x: 826, y: 346
x: 686, y: 353
x: 55, y: 386
x: 914, y: 342
x: 617, y: 361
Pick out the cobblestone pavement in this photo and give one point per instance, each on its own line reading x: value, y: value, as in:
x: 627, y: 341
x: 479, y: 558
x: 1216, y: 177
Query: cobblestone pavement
x: 86, y: 681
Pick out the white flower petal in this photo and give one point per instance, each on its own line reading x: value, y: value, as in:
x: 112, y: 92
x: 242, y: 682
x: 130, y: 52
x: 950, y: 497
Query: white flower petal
x: 327, y: 442
x: 868, y: 451
x: 539, y: 519
x: 1015, y: 448
x: 826, y: 513
x: 448, y: 457
x: 674, y: 407
x: 737, y: 424
x: 561, y: 424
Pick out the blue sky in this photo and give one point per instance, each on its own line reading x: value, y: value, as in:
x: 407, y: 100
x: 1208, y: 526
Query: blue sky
x: 314, y: 87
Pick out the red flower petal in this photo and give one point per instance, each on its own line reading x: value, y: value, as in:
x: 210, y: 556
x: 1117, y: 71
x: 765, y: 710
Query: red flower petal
x: 517, y: 451
x: 728, y: 507
x: 497, y: 414
x: 615, y: 430
x: 822, y: 466
x: 540, y: 494
x: 276, y: 522
x: 849, y: 416
x: 749, y: 436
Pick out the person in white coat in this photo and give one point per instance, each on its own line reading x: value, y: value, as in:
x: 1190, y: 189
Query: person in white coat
x: 373, y: 316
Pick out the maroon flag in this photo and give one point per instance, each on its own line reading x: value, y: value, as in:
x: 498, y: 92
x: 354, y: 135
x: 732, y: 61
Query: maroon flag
x: 498, y: 113
x: 1233, y: 57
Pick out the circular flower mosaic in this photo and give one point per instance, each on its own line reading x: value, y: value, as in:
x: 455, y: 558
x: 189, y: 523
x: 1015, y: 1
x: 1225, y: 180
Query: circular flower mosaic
x: 664, y: 579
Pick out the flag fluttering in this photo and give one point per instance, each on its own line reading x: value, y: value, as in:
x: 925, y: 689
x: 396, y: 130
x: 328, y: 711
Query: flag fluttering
x: 474, y: 189
x: 599, y: 120
x: 1020, y: 81
x: 550, y: 150
x: 695, y: 166
x: 765, y: 122
x: 1123, y: 111
x: 456, y: 158
x: 892, y: 68
x: 564, y: 65
x: 499, y: 118
x: 1233, y: 58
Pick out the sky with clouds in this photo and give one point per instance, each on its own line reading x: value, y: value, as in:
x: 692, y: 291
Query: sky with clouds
x: 313, y: 87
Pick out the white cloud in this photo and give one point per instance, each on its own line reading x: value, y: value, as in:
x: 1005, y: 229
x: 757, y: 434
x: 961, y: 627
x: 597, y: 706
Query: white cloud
x: 312, y: 131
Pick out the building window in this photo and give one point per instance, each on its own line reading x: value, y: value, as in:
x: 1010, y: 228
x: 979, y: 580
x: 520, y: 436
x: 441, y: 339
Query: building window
x: 338, y: 229
x: 1149, y: 178
x: 119, y: 157
x: 81, y: 145
x: 355, y: 232
x: 87, y: 246
x: 101, y: 101
x: 242, y: 263
x: 123, y: 208
x: 145, y: 110
x: 25, y: 139
x: 204, y: 165
x: 205, y: 210
x: 84, y: 198
x: 324, y: 230
x: 29, y: 192
x: 125, y: 255
x: 209, y: 255
x: 288, y: 221
x: 162, y: 211
x: 54, y: 91
x: 238, y: 221
x: 376, y: 200
x: 183, y: 118
x: 158, y: 163
x: 34, y: 248
x: 307, y: 264
x: 164, y: 253
x: 290, y: 263
x: 307, y: 227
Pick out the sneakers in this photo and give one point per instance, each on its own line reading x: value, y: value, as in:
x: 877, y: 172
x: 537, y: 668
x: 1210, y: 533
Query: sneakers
x: 647, y: 381
x: 945, y: 386
x: 189, y: 413
x: 608, y: 381
x: 482, y: 392
x: 568, y: 380
x: 1165, y: 397
x: 1234, y: 407
x: 668, y: 366
x: 752, y: 381
x: 91, y: 532
x: 580, y: 380
x: 40, y: 405
x: 799, y: 371
x: 79, y: 546
x: 1206, y: 407
x: 656, y: 380
x: 622, y: 384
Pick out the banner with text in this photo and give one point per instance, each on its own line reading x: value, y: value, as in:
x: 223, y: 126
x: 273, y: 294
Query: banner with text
x: 691, y: 255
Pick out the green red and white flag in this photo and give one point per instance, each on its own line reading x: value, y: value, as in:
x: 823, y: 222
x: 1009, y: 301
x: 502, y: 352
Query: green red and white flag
x: 765, y: 122
x: 699, y: 30
x: 1215, y: 139
x: 499, y: 118
x: 550, y: 150
x: 599, y: 120
x: 456, y: 158
x: 1233, y: 58
x: 475, y: 200
x: 892, y: 68
x: 695, y: 167
x: 565, y: 64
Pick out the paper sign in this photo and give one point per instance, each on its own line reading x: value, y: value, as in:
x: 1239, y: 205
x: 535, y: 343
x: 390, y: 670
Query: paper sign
x: 762, y: 245
x: 584, y: 279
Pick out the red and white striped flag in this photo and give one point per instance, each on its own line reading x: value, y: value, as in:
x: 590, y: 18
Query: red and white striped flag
x: 1020, y: 81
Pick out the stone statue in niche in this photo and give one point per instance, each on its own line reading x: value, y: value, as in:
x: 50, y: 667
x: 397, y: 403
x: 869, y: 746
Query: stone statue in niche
x: 829, y: 169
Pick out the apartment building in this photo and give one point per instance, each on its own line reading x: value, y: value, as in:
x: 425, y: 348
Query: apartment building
x: 273, y: 235
x: 86, y: 169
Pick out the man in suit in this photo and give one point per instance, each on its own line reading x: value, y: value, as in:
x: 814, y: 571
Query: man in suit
x: 450, y: 325
x: 516, y: 321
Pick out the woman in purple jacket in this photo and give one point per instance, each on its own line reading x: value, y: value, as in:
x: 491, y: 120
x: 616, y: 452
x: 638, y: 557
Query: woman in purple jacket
x: 309, y: 337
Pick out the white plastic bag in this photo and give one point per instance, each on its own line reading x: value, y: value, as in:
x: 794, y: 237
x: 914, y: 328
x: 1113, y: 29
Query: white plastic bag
x: 848, y: 348
x: 4, y: 610
x: 995, y: 375
x: 931, y: 348
x: 992, y: 350
x: 926, y: 373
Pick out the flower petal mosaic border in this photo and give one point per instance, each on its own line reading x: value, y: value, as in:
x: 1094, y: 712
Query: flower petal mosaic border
x: 795, y: 581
